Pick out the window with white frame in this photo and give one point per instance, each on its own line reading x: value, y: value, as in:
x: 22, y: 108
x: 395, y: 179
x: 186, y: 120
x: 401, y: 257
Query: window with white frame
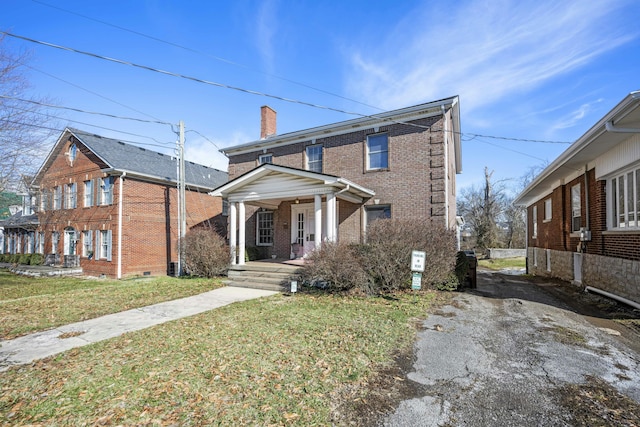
x: 71, y: 196
x: 314, y: 158
x: 40, y: 243
x: 378, y: 151
x: 55, y: 239
x: 87, y: 244
x: 106, y: 191
x: 73, y: 152
x: 265, y: 158
x: 576, y: 209
x: 103, y: 245
x: 624, y: 200
x: 57, y: 198
x: 264, y: 228
x: 547, y: 210
x: 534, y: 214
x: 88, y: 193
x: 377, y: 212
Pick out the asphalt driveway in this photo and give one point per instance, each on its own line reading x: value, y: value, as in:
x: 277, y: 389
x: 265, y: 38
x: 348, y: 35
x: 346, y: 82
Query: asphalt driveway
x: 511, y: 353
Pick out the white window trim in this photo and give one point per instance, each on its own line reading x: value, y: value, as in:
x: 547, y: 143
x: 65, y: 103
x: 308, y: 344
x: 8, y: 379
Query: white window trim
x: 576, y: 211
x: 368, y: 152
x: 548, y: 210
x: 320, y: 161
x: 534, y: 213
x: 262, y: 157
x: 258, y: 214
x: 613, y: 223
x: 88, y: 193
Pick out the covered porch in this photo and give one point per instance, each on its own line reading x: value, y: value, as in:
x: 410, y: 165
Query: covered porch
x: 291, y: 210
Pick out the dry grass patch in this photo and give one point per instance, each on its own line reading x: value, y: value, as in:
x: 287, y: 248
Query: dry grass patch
x: 30, y: 304
x: 273, y: 361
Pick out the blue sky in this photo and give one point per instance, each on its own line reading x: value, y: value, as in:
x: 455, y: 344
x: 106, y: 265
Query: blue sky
x: 527, y: 70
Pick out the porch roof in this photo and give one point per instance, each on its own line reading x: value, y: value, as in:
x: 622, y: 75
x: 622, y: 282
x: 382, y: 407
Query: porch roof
x: 267, y: 185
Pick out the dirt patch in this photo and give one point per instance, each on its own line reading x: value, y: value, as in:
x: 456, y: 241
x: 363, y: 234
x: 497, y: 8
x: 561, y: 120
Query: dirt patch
x: 597, y: 404
x: 70, y: 334
x: 366, y: 404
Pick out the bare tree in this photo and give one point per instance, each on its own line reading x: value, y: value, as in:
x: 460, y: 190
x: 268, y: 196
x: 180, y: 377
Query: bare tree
x: 24, y: 133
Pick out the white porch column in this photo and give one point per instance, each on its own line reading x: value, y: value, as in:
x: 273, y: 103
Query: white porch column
x: 332, y: 232
x: 318, y: 223
x: 241, y: 233
x: 233, y: 221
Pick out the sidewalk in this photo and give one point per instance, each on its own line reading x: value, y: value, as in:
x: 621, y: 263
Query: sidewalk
x: 39, y: 345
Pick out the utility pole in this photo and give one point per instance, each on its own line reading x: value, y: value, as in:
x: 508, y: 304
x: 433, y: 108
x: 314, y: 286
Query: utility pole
x: 182, y: 211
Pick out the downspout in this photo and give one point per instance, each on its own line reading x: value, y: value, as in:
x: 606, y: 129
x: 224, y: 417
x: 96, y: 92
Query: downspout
x: 613, y: 296
x: 445, y: 141
x: 587, y: 219
x: 120, y: 197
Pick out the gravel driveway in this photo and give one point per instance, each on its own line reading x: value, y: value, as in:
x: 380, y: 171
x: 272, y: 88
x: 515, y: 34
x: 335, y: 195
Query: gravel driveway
x: 510, y: 353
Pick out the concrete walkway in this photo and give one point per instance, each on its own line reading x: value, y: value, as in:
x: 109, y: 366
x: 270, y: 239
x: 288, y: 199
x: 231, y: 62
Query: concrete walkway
x: 39, y: 345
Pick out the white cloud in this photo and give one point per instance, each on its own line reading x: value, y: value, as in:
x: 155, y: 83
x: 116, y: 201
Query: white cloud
x: 266, y: 27
x: 575, y: 116
x: 483, y: 52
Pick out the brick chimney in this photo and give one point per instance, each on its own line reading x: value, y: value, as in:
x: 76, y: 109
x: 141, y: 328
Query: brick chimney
x: 267, y: 121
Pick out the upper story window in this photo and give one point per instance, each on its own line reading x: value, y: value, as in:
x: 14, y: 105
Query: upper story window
x: 378, y: 151
x: 576, y: 210
x: 314, y: 158
x: 547, y: 210
x: 57, y: 198
x: 106, y: 190
x: 88, y: 193
x: 265, y: 158
x: 623, y: 205
x: 534, y: 214
x: 70, y: 196
x: 73, y: 152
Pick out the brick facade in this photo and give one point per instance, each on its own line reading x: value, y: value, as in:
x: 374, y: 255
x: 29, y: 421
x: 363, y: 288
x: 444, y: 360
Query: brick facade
x: 149, y: 223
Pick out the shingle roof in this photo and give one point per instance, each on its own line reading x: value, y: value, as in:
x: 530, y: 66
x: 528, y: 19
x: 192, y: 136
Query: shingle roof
x: 133, y: 159
x: 20, y: 221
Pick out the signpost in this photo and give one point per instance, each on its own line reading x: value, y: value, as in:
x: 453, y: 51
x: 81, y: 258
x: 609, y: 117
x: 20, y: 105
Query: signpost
x: 418, y: 259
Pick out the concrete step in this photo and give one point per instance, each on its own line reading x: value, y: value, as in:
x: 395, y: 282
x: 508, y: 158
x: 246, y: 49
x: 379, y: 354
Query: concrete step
x: 263, y: 275
x: 258, y: 285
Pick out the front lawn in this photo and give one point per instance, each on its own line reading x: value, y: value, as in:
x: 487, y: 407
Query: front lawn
x: 30, y: 304
x: 307, y: 359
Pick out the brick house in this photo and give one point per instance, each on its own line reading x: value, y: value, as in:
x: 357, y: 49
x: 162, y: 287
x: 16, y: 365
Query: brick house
x: 583, y: 210
x: 111, y: 207
x: 288, y: 193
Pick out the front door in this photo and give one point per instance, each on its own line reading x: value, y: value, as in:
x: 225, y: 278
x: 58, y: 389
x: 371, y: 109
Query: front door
x: 303, y: 222
x: 69, y: 241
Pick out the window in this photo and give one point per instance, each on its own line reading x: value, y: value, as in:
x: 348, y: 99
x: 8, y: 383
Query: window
x: 88, y: 194
x: 377, y: 212
x: 40, y: 242
x: 106, y: 191
x: 534, y: 214
x: 57, y: 198
x: 265, y: 158
x: 73, y: 152
x: 55, y: 238
x: 70, y: 195
x: 225, y: 207
x: 87, y: 244
x: 314, y: 158
x: 576, y: 210
x: 378, y: 151
x: 547, y: 210
x: 264, y: 228
x: 103, y: 245
x: 624, y: 204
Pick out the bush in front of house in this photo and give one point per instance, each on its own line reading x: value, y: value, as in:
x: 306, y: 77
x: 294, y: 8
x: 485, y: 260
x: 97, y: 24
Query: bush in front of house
x: 206, y: 253
x: 36, y: 259
x: 24, y: 259
x: 337, y: 267
x: 382, y: 264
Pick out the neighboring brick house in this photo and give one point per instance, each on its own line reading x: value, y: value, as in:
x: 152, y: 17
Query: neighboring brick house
x: 289, y: 193
x: 583, y: 210
x: 112, y: 208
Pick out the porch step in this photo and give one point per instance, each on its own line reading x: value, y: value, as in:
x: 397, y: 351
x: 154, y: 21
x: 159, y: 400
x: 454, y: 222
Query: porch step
x: 263, y: 275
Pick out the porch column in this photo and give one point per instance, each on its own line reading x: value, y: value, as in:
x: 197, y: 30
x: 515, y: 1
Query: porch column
x: 318, y: 224
x: 331, y: 217
x: 233, y: 221
x: 241, y: 233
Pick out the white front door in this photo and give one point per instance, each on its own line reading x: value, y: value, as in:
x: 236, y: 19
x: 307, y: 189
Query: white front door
x: 69, y: 242
x: 303, y: 229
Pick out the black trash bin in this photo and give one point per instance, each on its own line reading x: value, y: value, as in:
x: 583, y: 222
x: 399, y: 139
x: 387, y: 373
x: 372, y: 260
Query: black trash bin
x: 473, y: 265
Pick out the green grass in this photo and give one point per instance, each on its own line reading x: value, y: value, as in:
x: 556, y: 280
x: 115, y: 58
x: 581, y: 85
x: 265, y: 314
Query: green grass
x: 500, y: 264
x: 30, y: 304
x: 273, y: 361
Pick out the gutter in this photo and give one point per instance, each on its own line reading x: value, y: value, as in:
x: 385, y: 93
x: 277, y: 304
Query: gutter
x: 613, y: 296
x: 611, y: 128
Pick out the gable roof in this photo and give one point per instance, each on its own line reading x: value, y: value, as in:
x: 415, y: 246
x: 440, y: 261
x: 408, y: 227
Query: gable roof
x: 274, y: 182
x: 120, y: 157
x: 402, y: 115
x: 615, y: 127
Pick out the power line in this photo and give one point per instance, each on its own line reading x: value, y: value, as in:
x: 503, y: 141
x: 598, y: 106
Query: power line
x: 42, y: 104
x: 217, y: 58
x: 248, y: 91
